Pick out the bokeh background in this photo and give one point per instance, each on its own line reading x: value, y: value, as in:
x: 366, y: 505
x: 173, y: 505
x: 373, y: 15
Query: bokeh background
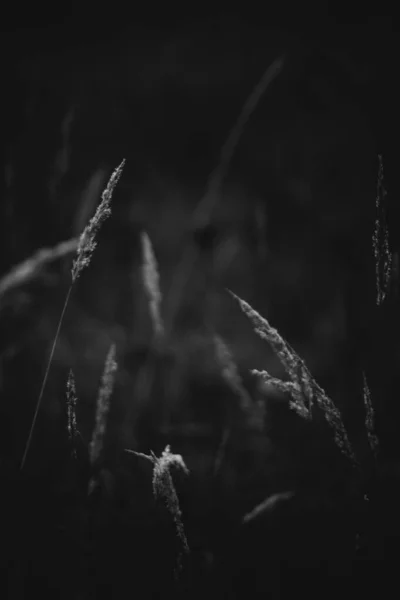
x: 291, y: 232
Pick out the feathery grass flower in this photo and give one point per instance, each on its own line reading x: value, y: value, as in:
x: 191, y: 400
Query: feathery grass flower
x: 87, y: 241
x: 253, y: 412
x: 296, y: 401
x: 151, y: 283
x: 103, y: 405
x: 86, y: 246
x: 370, y: 419
x: 303, y: 384
x: 230, y: 372
x: 71, y: 411
x: 294, y: 365
x: 163, y: 488
x: 29, y: 268
x: 380, y: 240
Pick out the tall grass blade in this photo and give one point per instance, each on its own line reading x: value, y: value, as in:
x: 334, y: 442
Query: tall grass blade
x: 46, y: 375
x: 203, y: 212
x: 29, y: 268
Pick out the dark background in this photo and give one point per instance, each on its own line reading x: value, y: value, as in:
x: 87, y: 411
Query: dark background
x: 291, y: 233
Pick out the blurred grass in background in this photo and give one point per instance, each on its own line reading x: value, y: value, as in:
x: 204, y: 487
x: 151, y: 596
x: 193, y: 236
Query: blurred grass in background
x: 291, y: 234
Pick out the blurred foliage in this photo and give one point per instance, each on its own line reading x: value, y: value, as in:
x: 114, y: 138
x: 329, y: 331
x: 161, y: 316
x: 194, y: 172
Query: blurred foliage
x: 291, y: 234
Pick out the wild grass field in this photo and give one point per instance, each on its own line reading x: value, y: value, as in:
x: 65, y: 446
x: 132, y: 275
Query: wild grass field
x: 198, y: 327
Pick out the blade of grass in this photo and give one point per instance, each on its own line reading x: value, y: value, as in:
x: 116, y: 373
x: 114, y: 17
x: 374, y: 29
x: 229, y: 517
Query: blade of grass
x: 29, y: 268
x: 205, y: 207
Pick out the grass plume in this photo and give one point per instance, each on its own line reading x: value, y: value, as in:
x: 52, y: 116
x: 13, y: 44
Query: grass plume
x: 253, y: 412
x: 294, y: 365
x: 28, y: 269
x: 370, y: 419
x: 87, y: 242
x: 71, y: 412
x: 230, y: 373
x: 163, y: 488
x: 302, y: 382
x: 291, y: 389
x: 151, y: 283
x: 380, y: 240
x: 85, y: 249
x: 103, y: 405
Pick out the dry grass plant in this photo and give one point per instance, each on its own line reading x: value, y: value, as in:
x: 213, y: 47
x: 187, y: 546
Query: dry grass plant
x: 86, y: 246
x: 164, y: 489
x: 302, y: 391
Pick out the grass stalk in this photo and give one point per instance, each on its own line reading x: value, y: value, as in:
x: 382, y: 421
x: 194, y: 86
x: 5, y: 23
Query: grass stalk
x: 86, y: 247
x: 203, y: 211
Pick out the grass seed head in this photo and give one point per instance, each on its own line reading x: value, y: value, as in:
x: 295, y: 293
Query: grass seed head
x: 103, y: 405
x: 163, y: 487
x: 71, y: 412
x: 230, y: 372
x: 380, y: 241
x: 293, y: 364
x: 28, y: 269
x: 303, y: 385
x: 151, y: 283
x: 87, y: 242
x: 370, y: 419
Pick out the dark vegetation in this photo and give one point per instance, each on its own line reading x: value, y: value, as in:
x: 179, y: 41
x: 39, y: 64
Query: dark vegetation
x: 291, y: 233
